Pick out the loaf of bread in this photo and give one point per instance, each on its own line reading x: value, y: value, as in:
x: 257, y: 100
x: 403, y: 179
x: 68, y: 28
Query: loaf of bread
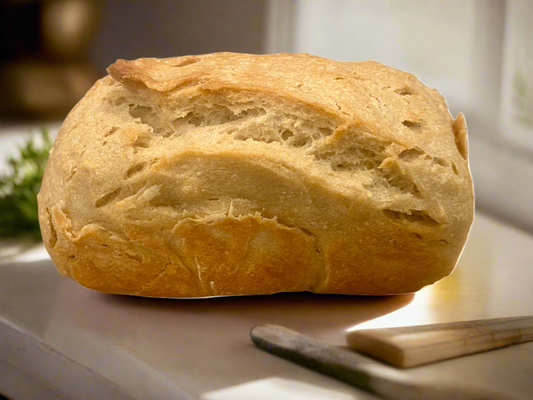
x: 228, y: 174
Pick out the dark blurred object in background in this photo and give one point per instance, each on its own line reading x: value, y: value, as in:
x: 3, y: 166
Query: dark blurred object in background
x: 44, y: 56
x: 52, y: 51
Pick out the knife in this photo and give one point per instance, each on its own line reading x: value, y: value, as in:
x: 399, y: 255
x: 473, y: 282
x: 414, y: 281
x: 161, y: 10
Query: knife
x: 357, y: 370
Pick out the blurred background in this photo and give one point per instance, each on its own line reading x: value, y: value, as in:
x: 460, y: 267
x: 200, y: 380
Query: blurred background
x: 477, y: 53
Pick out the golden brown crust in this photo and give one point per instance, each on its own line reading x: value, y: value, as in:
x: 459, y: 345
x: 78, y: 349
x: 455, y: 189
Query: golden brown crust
x: 230, y: 174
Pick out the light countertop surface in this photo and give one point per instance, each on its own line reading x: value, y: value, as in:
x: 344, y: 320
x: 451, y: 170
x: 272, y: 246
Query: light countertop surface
x: 60, y: 340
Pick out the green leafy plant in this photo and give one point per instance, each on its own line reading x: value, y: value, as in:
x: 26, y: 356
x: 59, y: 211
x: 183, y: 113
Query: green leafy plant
x: 19, y: 187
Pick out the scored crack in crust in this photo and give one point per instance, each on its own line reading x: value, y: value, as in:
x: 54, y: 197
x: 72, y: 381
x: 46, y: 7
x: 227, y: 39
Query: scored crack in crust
x: 227, y: 174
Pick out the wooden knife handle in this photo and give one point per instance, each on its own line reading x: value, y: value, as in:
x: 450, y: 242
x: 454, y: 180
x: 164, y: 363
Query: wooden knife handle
x: 416, y: 345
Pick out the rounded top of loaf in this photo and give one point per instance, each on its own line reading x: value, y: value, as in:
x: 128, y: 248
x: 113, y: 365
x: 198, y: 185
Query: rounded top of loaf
x: 368, y: 95
x: 359, y: 161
